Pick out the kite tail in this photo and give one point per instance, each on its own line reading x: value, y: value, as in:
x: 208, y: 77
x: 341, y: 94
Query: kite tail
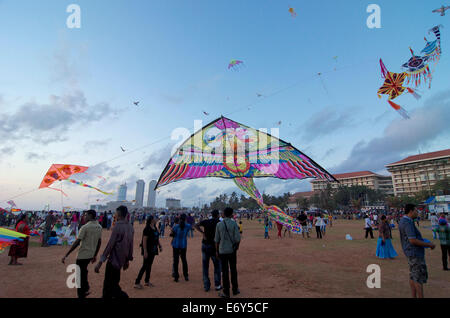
x: 413, y: 93
x: 88, y: 186
x: 399, y: 109
x: 275, y: 213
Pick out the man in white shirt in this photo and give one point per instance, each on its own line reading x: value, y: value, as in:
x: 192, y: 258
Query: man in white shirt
x: 434, y: 224
x: 368, y: 226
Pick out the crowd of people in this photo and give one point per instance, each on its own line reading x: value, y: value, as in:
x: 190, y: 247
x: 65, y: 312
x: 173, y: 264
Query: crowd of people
x: 221, y: 239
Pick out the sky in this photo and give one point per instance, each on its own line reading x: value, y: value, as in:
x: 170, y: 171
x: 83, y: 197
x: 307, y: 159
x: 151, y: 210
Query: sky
x: 66, y: 94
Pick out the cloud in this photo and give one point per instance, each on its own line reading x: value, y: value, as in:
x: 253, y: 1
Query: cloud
x: 32, y: 156
x: 47, y: 123
x: 326, y: 122
x: 95, y: 144
x: 329, y: 152
x: 160, y: 157
x: 7, y: 151
x: 401, y: 137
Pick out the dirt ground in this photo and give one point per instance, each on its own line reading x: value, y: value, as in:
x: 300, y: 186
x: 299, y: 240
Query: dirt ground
x: 277, y: 268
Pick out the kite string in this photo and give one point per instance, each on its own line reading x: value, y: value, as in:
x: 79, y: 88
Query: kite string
x: 295, y: 84
x: 230, y: 113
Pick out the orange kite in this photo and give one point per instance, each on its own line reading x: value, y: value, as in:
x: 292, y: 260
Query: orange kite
x: 58, y: 172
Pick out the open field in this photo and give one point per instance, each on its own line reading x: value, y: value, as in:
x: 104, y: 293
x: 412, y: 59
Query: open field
x: 287, y: 268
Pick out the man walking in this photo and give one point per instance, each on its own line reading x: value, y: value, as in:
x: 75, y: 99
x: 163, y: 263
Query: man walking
x: 414, y: 249
x: 434, y: 224
x: 90, y: 239
x: 227, y: 240
x: 303, y: 220
x: 443, y: 231
x: 368, y: 226
x: 162, y: 224
x: 49, y: 221
x: 209, y: 250
x: 118, y: 253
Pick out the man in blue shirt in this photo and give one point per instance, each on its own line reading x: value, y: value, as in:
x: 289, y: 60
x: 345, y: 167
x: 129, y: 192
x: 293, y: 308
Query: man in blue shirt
x: 179, y: 245
x: 414, y: 248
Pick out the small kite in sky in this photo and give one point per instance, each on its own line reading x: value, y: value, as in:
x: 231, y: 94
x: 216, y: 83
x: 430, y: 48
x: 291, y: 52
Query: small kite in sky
x: 136, y: 103
x: 292, y: 12
x: 442, y: 10
x: 207, y: 114
x: 235, y: 65
x: 259, y: 95
x: 336, y: 60
x: 122, y: 149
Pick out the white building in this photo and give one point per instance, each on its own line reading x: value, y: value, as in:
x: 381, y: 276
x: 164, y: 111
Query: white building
x: 122, y: 193
x: 140, y: 187
x: 173, y: 204
x: 151, y: 199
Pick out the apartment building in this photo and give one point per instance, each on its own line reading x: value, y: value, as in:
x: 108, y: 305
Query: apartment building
x: 420, y: 172
x: 361, y: 178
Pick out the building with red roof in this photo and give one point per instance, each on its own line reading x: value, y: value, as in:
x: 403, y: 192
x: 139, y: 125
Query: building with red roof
x: 419, y: 172
x: 360, y: 178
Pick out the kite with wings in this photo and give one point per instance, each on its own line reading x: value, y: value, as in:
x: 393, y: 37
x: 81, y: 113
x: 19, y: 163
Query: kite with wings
x: 442, y: 10
x: 60, y: 172
x: 235, y: 65
x: 227, y: 149
x: 393, y: 87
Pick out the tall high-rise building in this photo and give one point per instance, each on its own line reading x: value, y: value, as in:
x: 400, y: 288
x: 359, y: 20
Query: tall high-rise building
x: 122, y: 193
x: 151, y: 200
x: 140, y: 187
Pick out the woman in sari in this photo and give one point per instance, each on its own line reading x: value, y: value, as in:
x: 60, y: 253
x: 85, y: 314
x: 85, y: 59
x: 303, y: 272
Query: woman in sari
x: 384, y: 246
x: 20, y: 249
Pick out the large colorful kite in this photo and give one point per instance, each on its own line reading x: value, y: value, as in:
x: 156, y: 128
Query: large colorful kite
x: 417, y: 69
x: 230, y: 150
x: 60, y: 172
x: 9, y: 237
x: 393, y: 87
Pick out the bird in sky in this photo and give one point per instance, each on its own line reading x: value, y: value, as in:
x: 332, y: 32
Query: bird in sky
x: 122, y: 149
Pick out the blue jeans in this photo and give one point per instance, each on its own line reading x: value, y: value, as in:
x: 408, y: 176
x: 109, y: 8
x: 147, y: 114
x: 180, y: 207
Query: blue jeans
x: 162, y: 230
x: 434, y: 233
x: 209, y: 251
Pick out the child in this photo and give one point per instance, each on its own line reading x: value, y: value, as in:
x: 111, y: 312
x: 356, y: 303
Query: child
x: 266, y: 231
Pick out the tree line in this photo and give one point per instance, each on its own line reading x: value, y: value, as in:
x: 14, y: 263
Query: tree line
x: 331, y: 199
